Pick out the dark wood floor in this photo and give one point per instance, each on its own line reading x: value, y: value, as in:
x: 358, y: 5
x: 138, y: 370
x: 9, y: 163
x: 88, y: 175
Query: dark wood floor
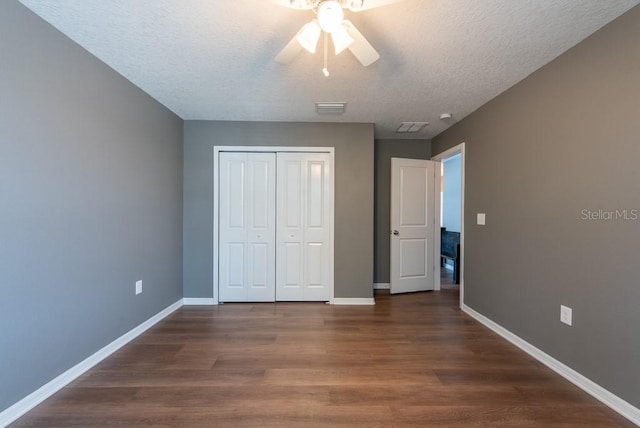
x: 410, y: 360
x: 446, y: 280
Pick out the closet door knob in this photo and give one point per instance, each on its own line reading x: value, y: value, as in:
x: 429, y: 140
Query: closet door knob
x: 395, y: 232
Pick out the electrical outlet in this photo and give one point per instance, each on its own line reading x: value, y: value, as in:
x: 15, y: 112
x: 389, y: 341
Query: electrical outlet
x: 138, y: 287
x: 566, y: 314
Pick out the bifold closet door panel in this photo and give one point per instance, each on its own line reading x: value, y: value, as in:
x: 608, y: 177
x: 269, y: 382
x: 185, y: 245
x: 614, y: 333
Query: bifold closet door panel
x: 247, y: 219
x: 304, y: 201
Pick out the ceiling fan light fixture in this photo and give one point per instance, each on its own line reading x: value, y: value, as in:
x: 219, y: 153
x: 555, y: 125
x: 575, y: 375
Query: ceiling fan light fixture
x: 330, y: 15
x: 309, y: 35
x: 341, y: 39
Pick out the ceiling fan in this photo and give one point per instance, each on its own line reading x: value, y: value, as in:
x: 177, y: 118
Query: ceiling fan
x: 330, y: 22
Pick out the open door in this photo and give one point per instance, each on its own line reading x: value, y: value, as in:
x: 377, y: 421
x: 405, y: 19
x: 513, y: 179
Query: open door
x: 413, y: 222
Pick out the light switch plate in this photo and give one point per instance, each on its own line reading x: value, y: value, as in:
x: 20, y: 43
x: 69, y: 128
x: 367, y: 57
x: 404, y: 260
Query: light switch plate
x: 138, y: 287
x: 481, y: 219
x: 566, y: 314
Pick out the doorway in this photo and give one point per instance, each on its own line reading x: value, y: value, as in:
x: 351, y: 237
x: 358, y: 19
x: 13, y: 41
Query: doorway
x: 453, y: 164
x: 273, y: 224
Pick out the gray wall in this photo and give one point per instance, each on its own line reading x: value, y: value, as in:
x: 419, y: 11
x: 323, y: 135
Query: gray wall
x: 353, y: 194
x: 90, y: 201
x: 384, y: 151
x: 563, y: 140
x: 452, y: 195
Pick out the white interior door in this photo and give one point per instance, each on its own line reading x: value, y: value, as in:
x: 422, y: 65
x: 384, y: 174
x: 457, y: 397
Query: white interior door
x: 247, y: 227
x: 413, y: 187
x: 304, y: 226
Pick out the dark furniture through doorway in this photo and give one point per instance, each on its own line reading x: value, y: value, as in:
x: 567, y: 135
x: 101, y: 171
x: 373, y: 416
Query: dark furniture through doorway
x: 450, y: 250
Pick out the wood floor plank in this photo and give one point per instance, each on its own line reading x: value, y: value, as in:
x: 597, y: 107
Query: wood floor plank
x: 502, y: 416
x: 410, y: 360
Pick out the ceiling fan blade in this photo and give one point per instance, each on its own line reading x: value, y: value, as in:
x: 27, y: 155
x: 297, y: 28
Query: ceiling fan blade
x: 360, y: 5
x: 361, y: 48
x: 289, y: 52
x: 300, y: 5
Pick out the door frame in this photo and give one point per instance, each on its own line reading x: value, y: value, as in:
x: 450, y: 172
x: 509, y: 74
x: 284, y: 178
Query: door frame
x: 269, y: 149
x: 453, y: 151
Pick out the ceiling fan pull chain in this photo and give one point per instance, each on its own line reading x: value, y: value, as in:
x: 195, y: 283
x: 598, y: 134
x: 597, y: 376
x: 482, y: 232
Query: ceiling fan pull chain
x: 325, y: 71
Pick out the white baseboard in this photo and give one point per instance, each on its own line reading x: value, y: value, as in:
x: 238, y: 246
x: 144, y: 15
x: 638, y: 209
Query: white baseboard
x: 198, y: 301
x: 32, y: 400
x: 382, y: 286
x: 613, y: 401
x: 354, y: 301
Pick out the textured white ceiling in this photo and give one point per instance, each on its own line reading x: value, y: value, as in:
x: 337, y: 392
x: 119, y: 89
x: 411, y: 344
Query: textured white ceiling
x: 214, y: 59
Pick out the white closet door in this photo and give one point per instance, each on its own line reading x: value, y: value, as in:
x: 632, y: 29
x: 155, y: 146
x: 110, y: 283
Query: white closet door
x: 247, y: 227
x: 304, y: 200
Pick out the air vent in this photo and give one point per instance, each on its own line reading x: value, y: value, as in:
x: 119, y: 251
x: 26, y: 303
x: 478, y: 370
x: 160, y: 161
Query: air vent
x: 331, y: 108
x: 411, y: 127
